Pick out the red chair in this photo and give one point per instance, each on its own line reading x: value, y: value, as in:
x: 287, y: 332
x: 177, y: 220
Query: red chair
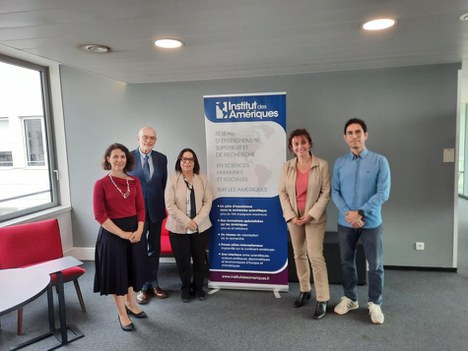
x: 166, y: 248
x: 28, y: 244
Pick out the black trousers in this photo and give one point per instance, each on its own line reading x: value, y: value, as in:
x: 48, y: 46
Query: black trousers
x: 184, y: 248
x: 153, y: 230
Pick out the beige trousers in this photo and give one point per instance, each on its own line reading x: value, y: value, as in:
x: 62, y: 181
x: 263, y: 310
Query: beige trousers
x: 307, y: 243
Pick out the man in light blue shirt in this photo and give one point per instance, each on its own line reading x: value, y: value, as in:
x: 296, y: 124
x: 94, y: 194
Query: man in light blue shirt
x: 360, y: 185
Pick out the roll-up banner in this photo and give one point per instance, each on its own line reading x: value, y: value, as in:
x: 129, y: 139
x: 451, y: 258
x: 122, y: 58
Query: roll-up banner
x: 246, y: 148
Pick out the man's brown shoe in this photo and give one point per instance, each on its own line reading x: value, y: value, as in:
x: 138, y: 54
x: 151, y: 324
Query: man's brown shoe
x: 143, y: 297
x: 160, y: 293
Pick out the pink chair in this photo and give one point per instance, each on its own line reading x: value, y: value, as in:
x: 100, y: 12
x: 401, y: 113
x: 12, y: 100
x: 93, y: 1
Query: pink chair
x: 31, y: 243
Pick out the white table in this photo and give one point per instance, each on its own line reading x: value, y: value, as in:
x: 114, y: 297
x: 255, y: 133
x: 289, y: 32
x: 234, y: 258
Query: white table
x: 20, y: 286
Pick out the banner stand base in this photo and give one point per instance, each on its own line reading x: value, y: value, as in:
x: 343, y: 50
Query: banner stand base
x: 215, y: 290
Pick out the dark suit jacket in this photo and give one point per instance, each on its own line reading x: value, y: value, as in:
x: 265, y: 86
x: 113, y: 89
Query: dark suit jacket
x: 153, y: 191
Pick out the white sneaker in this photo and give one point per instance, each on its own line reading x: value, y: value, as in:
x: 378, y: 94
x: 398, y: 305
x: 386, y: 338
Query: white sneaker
x: 376, y: 315
x: 346, y: 305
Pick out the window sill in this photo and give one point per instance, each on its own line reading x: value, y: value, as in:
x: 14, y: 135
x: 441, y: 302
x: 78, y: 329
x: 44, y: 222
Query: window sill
x: 37, y: 216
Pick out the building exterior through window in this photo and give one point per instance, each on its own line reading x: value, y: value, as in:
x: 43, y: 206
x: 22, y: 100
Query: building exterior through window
x: 27, y: 177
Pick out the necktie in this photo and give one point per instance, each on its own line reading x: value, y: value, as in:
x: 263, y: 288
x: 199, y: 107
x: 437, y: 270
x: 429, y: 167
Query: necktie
x: 193, y: 210
x: 146, y: 169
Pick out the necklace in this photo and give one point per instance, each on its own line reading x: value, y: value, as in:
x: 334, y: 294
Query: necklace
x: 127, y: 194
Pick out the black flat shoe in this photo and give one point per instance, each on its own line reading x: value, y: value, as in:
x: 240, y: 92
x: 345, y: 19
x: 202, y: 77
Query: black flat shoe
x: 200, y: 295
x: 320, y: 310
x: 185, y: 296
x: 140, y: 315
x: 128, y: 328
x: 303, y: 296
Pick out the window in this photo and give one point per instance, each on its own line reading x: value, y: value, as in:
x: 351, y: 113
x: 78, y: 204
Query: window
x: 6, y: 158
x: 27, y: 177
x: 34, y: 140
x: 461, y: 154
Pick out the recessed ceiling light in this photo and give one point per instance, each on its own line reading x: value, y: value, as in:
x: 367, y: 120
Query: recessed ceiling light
x: 168, y: 43
x: 379, y: 24
x: 463, y: 17
x: 96, y: 48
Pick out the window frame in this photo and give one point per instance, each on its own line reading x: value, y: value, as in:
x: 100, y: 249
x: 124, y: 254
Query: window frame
x: 50, y: 152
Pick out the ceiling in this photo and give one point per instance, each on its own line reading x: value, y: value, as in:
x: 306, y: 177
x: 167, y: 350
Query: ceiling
x: 233, y: 39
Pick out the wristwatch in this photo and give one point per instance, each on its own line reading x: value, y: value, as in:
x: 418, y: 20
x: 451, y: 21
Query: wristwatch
x: 361, y: 213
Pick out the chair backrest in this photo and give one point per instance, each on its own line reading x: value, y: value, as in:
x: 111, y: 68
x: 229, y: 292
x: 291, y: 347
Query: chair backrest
x: 27, y: 244
x: 166, y: 248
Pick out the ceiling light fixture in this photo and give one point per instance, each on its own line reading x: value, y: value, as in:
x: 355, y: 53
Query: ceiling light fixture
x: 463, y: 17
x: 379, y: 24
x: 96, y: 48
x: 168, y: 43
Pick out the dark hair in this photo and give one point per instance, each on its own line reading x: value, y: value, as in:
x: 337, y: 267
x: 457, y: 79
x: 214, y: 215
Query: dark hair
x: 196, y: 166
x: 356, y: 121
x: 299, y: 132
x: 128, y: 165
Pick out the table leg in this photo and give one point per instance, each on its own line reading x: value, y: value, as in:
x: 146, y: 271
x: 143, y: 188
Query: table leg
x: 62, y: 312
x: 62, y: 333
x: 64, y: 328
x: 50, y: 308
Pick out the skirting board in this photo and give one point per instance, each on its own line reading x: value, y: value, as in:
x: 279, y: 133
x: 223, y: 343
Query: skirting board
x: 87, y: 254
x: 428, y: 269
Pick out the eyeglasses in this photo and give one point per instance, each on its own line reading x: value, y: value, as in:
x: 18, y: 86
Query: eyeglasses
x: 146, y: 137
x: 186, y: 159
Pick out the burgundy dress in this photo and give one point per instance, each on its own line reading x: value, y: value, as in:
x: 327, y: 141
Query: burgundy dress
x: 119, y: 263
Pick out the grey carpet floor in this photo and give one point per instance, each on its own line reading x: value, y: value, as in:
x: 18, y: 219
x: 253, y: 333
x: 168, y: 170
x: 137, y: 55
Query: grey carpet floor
x: 423, y: 311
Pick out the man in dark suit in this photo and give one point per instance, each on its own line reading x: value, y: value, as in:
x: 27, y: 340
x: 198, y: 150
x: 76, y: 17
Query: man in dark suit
x: 151, y: 168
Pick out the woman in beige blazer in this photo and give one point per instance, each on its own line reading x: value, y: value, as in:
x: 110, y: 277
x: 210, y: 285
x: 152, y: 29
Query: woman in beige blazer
x: 188, y: 202
x: 304, y: 194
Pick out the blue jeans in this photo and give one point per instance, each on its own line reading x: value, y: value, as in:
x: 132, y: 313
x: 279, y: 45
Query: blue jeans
x: 371, y: 240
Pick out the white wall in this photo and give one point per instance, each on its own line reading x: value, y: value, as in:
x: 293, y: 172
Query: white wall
x: 411, y: 114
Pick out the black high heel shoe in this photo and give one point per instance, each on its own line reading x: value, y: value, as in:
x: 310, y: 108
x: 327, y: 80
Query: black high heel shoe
x: 303, y: 296
x: 140, y: 315
x: 320, y: 310
x: 129, y: 327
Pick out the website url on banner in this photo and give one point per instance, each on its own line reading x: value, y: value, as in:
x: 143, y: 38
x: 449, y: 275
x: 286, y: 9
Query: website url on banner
x: 244, y: 277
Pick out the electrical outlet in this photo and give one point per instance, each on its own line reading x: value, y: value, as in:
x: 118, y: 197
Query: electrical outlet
x: 419, y: 246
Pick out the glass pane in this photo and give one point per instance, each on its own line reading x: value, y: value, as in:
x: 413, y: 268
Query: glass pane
x: 6, y: 158
x: 34, y: 142
x: 461, y: 150
x: 25, y: 179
